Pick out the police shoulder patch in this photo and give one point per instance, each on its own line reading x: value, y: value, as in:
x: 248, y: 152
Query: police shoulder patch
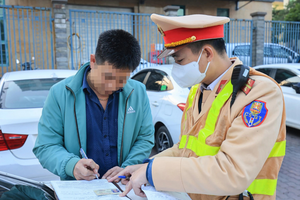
x: 248, y: 86
x: 254, y: 113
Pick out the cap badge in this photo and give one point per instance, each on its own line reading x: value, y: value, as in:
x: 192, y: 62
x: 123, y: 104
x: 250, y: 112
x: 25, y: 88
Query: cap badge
x: 160, y: 30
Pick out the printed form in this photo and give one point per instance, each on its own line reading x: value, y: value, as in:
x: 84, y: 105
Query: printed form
x: 83, y: 190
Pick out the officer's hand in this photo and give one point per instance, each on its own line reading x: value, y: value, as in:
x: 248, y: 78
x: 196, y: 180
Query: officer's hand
x: 125, y: 172
x: 112, y: 172
x: 137, y: 179
x: 85, y: 169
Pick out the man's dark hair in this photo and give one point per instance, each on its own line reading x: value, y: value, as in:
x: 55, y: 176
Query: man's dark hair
x: 217, y: 44
x: 119, y: 48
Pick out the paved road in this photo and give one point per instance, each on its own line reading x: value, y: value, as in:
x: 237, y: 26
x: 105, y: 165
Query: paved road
x: 288, y: 185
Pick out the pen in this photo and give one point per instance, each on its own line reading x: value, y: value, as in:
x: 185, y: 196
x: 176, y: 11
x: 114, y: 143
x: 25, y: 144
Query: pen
x: 84, y: 156
x: 124, y: 177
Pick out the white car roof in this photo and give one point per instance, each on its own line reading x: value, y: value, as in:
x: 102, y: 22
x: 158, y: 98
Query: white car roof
x: 38, y: 74
x: 166, y: 68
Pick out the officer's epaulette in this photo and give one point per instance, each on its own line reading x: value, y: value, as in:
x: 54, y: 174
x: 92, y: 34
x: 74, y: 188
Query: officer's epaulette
x: 248, y: 86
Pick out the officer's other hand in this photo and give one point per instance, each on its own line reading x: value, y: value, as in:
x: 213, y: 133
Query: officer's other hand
x: 137, y: 180
x: 125, y: 172
x: 112, y: 172
x: 85, y: 169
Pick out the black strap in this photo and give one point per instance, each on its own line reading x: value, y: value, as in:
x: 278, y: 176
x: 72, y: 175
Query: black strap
x: 200, y: 102
x: 241, y: 196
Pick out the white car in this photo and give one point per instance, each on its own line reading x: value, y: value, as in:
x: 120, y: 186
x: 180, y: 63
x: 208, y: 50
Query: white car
x: 167, y: 101
x: 288, y: 77
x: 22, y: 97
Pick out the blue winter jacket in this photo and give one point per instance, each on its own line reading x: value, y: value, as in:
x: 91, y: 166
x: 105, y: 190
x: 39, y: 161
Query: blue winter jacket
x: 63, y: 122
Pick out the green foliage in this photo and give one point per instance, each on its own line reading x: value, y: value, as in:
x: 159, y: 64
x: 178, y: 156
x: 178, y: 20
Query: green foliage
x: 278, y: 15
x: 293, y: 11
x: 290, y: 13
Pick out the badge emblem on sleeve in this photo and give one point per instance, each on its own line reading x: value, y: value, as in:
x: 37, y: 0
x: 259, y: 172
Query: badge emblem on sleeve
x: 254, y: 113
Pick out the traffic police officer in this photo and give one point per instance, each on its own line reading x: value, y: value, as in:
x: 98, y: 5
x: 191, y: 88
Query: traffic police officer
x: 228, y: 149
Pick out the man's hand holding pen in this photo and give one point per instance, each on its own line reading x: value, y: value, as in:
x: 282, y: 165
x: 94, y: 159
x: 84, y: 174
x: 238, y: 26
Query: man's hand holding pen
x: 86, y: 169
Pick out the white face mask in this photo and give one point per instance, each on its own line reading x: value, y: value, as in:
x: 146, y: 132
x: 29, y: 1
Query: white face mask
x: 189, y: 74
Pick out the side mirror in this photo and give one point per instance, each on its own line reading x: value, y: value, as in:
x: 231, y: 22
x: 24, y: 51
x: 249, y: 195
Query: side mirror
x: 296, y: 87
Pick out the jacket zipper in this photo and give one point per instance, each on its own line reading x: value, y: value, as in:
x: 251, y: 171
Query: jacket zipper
x: 121, y: 153
x: 75, y: 114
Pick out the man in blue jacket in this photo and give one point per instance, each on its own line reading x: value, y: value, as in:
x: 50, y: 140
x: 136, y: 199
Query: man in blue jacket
x: 99, y: 110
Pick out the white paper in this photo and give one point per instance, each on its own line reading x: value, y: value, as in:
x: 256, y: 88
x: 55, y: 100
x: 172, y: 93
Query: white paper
x: 83, y: 190
x: 152, y: 194
x: 131, y: 193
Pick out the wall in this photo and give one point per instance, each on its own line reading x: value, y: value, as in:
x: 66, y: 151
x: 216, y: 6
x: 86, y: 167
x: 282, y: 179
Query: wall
x: 33, y: 3
x: 156, y: 6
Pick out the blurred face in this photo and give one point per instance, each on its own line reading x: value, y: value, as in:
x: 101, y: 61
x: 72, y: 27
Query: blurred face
x: 106, y: 79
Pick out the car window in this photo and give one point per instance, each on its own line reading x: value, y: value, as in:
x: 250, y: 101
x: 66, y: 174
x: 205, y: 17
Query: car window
x: 295, y: 80
x: 242, y: 50
x: 159, y: 81
x: 140, y: 76
x: 283, y: 75
x: 267, y: 51
x: 280, y: 52
x: 266, y: 71
x: 25, y: 93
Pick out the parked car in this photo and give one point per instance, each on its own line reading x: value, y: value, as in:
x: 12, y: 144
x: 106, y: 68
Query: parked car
x: 22, y: 97
x: 17, y: 187
x: 167, y: 101
x: 288, y: 77
x: 273, y: 53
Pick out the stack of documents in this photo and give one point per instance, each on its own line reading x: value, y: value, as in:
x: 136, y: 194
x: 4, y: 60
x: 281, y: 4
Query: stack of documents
x: 103, y: 190
x: 89, y: 190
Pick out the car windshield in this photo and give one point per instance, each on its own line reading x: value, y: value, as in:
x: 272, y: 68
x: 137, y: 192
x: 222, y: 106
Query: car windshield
x: 30, y: 93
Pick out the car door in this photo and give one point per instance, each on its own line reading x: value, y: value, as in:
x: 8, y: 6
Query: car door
x: 155, y: 86
x: 286, y: 79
